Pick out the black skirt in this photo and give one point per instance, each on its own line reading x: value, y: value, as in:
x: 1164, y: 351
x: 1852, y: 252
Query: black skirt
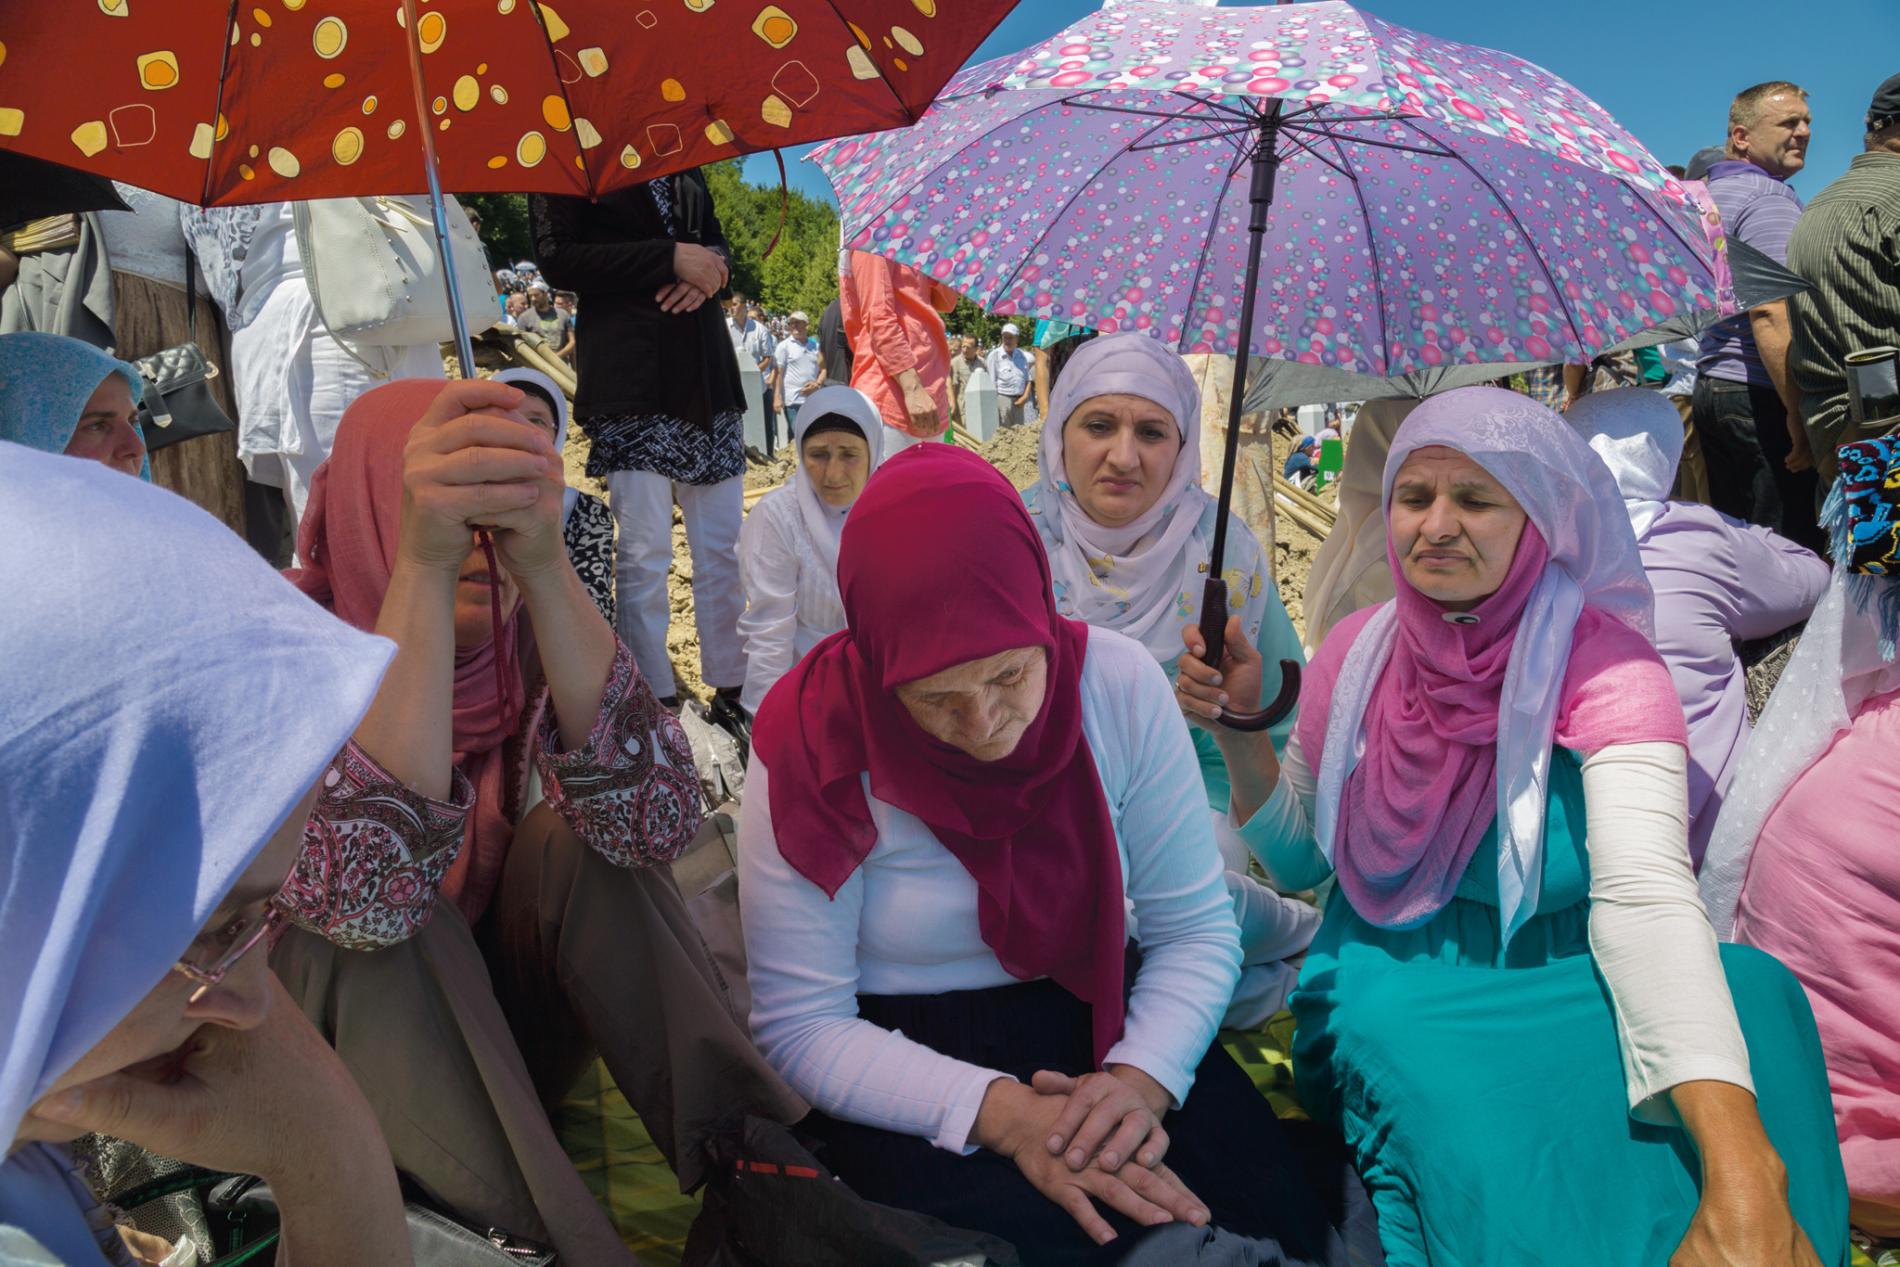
x: 1288, y: 1186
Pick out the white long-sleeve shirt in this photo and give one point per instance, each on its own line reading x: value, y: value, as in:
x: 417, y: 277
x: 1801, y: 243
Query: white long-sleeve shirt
x: 1649, y: 933
x: 791, y: 594
x: 906, y: 923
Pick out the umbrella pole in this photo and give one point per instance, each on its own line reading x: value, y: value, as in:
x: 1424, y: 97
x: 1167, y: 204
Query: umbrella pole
x: 464, y: 347
x: 1266, y: 166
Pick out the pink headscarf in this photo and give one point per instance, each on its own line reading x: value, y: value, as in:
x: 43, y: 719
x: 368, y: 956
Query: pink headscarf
x: 348, y: 535
x: 1032, y: 829
x: 1457, y: 719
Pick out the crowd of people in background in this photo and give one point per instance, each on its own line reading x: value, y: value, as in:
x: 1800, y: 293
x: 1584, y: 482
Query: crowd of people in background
x: 1568, y: 940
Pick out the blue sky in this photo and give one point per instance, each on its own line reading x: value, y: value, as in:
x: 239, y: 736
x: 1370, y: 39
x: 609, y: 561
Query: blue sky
x: 1665, y: 68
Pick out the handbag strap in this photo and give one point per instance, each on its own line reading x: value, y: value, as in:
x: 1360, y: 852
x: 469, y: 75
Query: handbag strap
x: 191, y: 296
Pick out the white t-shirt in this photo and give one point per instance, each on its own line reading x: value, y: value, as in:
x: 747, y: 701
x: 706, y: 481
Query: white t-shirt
x: 797, y: 365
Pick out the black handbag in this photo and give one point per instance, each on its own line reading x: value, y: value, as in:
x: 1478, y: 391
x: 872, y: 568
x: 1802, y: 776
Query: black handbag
x: 244, y: 1221
x: 178, y: 404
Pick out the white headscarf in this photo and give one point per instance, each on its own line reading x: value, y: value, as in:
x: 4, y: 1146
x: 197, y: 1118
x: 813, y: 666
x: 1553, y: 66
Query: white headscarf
x: 823, y: 522
x: 165, y: 710
x: 1350, y: 570
x: 1638, y: 434
x: 571, y: 497
x: 1593, y: 560
x: 1839, y: 665
x: 1144, y: 579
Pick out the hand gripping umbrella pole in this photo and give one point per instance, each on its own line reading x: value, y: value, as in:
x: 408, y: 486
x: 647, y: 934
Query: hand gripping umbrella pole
x: 1265, y: 162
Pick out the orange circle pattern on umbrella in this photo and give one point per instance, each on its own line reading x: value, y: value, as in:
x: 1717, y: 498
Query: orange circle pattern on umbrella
x: 616, y: 101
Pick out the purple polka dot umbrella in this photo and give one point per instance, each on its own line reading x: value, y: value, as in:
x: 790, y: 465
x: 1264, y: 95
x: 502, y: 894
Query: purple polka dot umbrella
x: 1344, y: 192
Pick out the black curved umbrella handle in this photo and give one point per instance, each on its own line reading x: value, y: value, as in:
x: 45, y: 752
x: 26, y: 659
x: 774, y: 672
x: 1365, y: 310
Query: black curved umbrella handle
x: 1214, y: 635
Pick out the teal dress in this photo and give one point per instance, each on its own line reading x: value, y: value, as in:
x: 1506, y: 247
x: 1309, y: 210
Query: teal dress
x: 1483, y: 1093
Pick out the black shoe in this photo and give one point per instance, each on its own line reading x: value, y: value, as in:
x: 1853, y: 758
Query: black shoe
x: 671, y: 703
x: 729, y: 715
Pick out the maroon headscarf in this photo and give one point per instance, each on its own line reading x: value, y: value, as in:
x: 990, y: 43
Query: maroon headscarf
x: 348, y: 537
x: 1032, y: 829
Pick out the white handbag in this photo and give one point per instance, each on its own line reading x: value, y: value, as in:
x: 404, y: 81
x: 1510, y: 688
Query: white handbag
x: 376, y: 277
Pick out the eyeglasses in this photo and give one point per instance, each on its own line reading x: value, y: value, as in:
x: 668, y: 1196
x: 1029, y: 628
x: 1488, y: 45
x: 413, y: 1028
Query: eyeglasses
x: 213, y: 955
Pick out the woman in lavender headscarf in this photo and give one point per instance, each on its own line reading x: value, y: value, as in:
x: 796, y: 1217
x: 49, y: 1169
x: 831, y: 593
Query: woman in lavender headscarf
x: 1492, y: 764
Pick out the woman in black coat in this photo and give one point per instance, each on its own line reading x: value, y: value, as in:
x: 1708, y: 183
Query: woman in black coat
x: 661, y: 399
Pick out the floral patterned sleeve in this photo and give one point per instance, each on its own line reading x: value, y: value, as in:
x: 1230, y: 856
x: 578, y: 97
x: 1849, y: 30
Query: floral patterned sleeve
x: 374, y: 854
x: 631, y: 792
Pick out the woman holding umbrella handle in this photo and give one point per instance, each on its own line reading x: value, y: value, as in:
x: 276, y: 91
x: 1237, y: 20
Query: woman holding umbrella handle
x: 1130, y: 534
x: 1514, y: 965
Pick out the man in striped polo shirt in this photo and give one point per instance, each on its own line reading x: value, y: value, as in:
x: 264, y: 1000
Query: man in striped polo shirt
x: 1847, y: 246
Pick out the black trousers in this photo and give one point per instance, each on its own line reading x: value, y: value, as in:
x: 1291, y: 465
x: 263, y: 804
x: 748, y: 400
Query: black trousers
x: 1288, y: 1186
x: 1744, y: 434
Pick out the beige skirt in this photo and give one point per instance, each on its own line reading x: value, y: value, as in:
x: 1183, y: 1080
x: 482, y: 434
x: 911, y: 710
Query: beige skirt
x: 462, y: 1039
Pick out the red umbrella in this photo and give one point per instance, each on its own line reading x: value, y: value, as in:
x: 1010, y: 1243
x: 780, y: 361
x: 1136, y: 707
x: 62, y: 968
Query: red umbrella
x: 266, y: 100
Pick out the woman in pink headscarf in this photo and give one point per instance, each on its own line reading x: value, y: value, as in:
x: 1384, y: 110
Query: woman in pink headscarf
x: 954, y: 807
x: 483, y: 899
x: 1492, y: 765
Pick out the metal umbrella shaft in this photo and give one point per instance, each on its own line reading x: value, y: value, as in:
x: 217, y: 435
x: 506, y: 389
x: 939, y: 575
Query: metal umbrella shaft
x: 464, y: 347
x: 1266, y: 166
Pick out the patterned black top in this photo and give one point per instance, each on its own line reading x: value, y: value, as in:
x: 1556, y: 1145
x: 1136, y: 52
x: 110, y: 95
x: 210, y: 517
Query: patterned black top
x: 666, y: 446
x: 589, y: 534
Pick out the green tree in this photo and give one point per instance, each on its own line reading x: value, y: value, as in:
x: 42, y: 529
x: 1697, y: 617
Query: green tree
x: 504, y: 225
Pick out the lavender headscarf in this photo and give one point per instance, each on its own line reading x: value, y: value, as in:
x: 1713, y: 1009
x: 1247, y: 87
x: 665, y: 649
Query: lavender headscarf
x: 1592, y: 561
x: 1143, y: 579
x: 165, y: 710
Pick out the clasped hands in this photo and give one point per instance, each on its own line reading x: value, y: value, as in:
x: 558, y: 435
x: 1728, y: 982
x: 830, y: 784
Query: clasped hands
x: 700, y: 273
x: 1097, y: 1138
x: 472, y: 463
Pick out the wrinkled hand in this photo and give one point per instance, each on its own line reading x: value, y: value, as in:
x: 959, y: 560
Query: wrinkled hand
x: 1744, y: 1225
x: 1110, y: 1119
x: 700, y: 267
x: 1203, y: 690
x: 1148, y: 1196
x: 680, y: 297
x: 468, y: 464
x: 255, y: 1101
x: 920, y: 410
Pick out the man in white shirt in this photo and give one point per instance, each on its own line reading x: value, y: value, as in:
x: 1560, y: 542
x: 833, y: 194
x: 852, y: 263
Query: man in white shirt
x: 1009, y: 368
x: 801, y: 371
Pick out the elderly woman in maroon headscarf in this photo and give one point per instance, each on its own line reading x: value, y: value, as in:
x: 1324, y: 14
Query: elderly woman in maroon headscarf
x: 954, y: 807
x: 483, y: 896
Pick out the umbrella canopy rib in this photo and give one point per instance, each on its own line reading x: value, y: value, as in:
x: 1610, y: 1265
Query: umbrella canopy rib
x: 554, y: 66
x: 1556, y: 291
x: 930, y: 175
x: 1227, y: 134
x: 1002, y: 287
x: 224, y: 76
x: 910, y: 116
x: 1207, y: 245
x: 1318, y: 157
x: 1386, y: 350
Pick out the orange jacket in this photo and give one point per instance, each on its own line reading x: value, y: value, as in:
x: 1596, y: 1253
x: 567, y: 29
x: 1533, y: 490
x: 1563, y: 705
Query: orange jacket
x: 891, y: 321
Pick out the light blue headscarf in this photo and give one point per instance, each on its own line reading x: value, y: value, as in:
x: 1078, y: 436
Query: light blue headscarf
x: 45, y: 382
x: 164, y: 710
